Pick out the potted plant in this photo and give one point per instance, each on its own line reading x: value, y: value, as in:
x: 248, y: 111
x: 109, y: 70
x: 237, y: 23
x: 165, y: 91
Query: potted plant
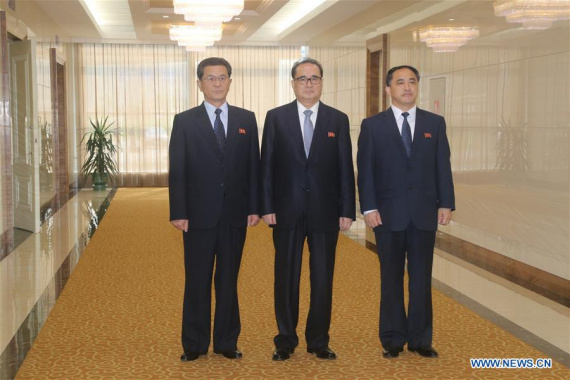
x: 100, y: 153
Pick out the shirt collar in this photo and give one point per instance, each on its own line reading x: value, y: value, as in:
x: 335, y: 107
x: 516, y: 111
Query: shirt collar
x: 211, y: 108
x: 398, y: 112
x: 301, y: 108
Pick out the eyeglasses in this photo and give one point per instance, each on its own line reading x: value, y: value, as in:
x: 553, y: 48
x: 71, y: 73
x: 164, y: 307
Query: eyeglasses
x: 212, y: 79
x: 315, y: 80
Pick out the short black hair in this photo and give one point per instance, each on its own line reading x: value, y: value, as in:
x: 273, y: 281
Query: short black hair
x: 394, y: 69
x: 213, y: 61
x: 306, y: 60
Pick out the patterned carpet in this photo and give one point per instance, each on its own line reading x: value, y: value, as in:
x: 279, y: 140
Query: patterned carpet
x: 119, y: 315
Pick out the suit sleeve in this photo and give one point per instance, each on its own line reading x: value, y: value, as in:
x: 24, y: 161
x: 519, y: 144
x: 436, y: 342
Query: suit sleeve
x: 365, y: 167
x: 177, y: 172
x: 445, y: 191
x: 267, y: 151
x: 346, y: 171
x: 254, y: 169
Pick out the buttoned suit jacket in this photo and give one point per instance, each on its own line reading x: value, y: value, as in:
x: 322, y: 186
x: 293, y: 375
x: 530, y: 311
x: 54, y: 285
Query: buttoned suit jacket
x: 404, y: 189
x: 201, y: 180
x: 321, y: 187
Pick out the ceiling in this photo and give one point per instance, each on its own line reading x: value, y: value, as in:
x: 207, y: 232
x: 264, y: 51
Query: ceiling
x: 333, y: 22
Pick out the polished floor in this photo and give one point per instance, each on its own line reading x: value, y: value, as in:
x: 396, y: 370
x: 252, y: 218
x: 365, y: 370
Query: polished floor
x: 32, y: 277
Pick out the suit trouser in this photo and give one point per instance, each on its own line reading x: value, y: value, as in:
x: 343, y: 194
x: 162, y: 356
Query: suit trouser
x: 225, y: 244
x: 288, y: 258
x: 396, y: 328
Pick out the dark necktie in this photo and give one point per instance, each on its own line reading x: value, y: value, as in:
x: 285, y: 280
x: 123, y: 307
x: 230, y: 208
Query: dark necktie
x: 308, y: 130
x: 219, y: 131
x: 407, y: 134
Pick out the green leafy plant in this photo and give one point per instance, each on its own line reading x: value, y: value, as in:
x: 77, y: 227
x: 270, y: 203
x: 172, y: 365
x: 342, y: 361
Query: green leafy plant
x: 100, y: 152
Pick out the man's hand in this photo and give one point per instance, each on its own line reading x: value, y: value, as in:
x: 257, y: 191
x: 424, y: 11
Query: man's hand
x: 181, y: 224
x: 252, y: 220
x: 373, y: 219
x: 269, y: 219
x: 344, y: 223
x: 444, y: 216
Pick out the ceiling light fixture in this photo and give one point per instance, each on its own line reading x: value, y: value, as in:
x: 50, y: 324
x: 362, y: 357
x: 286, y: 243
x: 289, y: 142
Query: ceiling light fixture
x: 196, y: 48
x: 195, y: 38
x: 533, y: 14
x: 446, y: 39
x: 208, y: 12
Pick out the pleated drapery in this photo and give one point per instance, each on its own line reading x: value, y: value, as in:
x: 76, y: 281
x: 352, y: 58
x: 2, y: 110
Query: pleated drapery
x: 141, y: 87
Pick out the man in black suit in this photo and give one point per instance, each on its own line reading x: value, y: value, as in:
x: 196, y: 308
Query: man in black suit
x: 406, y: 189
x: 214, y: 192
x: 307, y: 192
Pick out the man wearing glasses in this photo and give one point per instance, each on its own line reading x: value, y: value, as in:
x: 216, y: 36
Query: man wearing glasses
x: 307, y: 193
x: 213, y: 184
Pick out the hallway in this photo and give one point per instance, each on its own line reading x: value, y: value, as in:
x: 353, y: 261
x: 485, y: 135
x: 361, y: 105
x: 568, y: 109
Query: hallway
x: 101, y: 327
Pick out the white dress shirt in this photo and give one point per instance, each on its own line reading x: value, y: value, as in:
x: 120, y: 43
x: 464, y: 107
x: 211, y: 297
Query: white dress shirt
x: 211, y: 110
x: 400, y: 119
x: 301, y: 109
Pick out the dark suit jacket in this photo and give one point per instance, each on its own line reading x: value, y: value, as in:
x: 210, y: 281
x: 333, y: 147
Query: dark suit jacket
x: 404, y: 189
x: 322, y: 185
x: 201, y: 180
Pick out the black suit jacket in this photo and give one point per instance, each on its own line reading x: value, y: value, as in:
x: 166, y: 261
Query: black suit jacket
x: 404, y: 189
x: 320, y: 186
x: 201, y: 180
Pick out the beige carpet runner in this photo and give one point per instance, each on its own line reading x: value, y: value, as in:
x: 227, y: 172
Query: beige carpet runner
x: 119, y: 315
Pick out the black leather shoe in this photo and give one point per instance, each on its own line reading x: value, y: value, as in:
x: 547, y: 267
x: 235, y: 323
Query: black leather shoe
x: 189, y: 356
x: 230, y: 354
x: 282, y: 353
x: 323, y: 353
x: 426, y: 351
x: 392, y: 352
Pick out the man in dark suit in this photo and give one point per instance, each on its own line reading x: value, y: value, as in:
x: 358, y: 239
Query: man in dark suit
x: 406, y: 189
x: 214, y: 192
x: 307, y: 192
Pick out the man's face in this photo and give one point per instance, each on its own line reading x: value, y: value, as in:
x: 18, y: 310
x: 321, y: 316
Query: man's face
x: 403, y: 89
x: 309, y: 93
x: 215, y: 84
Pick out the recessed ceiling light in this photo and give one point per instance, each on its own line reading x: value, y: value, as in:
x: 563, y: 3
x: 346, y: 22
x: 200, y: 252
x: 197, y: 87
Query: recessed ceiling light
x: 165, y: 16
x: 451, y: 19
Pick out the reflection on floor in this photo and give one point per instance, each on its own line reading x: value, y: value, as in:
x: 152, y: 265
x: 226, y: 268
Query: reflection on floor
x: 32, y: 277
x: 20, y: 236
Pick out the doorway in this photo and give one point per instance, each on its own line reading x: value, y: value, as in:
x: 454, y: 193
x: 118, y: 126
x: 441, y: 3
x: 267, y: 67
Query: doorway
x: 59, y: 110
x: 376, y: 70
x: 25, y: 136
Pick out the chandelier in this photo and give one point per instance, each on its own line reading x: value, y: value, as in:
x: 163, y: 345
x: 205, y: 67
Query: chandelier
x: 533, y: 14
x: 446, y: 39
x: 208, y: 12
x: 195, y: 38
x: 208, y: 16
